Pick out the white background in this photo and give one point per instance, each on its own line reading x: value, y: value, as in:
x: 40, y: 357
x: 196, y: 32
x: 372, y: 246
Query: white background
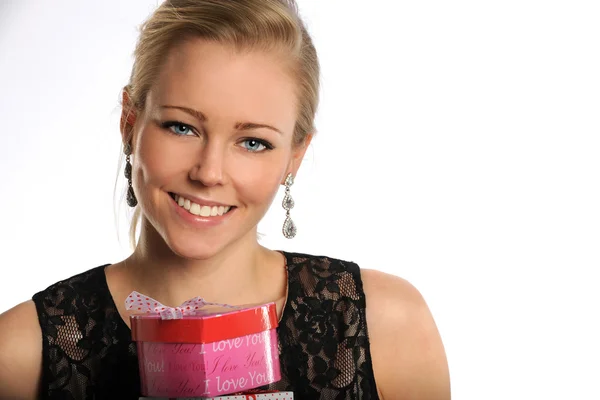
x: 458, y: 147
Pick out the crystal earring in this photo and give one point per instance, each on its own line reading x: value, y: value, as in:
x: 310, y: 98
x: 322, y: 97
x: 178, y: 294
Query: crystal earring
x: 289, y: 228
x: 131, y: 199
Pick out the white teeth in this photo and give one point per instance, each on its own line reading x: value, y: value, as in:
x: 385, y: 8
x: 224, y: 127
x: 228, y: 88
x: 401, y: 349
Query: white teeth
x: 197, y: 209
x: 205, y: 211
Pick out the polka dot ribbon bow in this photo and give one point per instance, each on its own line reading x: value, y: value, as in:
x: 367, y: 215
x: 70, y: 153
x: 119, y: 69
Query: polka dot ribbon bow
x: 139, y: 302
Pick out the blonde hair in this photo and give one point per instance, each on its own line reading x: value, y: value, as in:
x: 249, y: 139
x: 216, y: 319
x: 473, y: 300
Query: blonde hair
x: 268, y: 25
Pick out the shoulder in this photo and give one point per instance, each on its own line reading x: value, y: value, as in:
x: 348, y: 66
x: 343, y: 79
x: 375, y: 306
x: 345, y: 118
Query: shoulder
x: 320, y: 275
x: 20, y: 352
x: 320, y: 265
x: 86, y: 281
x: 26, y: 329
x: 69, y: 304
x: 408, y: 356
x: 61, y: 298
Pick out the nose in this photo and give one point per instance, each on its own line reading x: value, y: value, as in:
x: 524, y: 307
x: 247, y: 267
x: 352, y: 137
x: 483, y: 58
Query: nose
x: 209, y: 168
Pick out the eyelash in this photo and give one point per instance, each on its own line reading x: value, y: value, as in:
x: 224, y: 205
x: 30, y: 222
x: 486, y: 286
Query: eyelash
x: 268, y: 146
x: 170, y: 124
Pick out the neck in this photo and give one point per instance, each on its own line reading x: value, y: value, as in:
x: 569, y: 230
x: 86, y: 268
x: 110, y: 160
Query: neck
x: 231, y: 276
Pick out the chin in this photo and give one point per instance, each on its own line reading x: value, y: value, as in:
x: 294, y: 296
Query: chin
x: 197, y: 249
x: 196, y: 244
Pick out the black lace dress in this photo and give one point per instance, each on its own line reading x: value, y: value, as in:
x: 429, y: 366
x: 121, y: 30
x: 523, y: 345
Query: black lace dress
x: 323, y: 342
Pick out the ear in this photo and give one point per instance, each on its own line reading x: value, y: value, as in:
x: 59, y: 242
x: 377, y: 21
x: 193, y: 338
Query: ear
x: 128, y: 118
x: 298, y: 153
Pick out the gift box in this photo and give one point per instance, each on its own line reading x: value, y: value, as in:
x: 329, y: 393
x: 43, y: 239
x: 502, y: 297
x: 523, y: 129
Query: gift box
x: 249, y: 396
x: 202, y: 349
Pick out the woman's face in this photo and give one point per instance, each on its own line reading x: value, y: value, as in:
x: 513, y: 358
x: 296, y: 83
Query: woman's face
x: 213, y: 145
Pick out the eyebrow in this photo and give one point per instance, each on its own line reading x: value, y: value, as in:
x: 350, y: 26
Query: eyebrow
x: 242, y: 126
x: 196, y: 114
x: 247, y: 126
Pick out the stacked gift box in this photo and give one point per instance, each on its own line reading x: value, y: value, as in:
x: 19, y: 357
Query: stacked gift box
x: 203, y: 350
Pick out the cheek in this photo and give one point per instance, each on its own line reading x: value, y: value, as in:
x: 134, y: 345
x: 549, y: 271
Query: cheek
x: 158, y: 159
x: 257, y: 183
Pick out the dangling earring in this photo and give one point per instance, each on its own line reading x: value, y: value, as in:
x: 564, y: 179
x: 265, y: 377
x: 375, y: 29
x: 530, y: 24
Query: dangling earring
x: 131, y: 199
x: 289, y: 228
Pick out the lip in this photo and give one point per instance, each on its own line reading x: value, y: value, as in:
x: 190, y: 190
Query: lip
x: 201, y: 201
x: 198, y: 221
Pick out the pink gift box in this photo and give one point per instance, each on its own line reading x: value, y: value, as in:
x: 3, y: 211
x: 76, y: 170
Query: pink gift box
x: 207, y: 352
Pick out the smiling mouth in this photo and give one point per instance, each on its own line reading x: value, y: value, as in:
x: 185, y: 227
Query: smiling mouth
x: 199, y: 209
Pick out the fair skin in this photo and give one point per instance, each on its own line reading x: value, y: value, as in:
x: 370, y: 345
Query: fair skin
x: 248, y: 105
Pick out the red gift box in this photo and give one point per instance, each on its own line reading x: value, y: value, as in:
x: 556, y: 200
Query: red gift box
x: 203, y: 349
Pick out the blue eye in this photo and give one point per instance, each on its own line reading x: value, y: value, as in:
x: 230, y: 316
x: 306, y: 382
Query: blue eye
x: 178, y: 128
x: 256, y: 145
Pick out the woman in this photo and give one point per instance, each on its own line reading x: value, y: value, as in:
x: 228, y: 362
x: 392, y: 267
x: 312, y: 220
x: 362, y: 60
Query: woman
x: 218, y: 114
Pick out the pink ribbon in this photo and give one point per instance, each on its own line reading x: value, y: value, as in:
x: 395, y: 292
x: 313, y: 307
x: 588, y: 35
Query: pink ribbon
x: 139, y: 302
